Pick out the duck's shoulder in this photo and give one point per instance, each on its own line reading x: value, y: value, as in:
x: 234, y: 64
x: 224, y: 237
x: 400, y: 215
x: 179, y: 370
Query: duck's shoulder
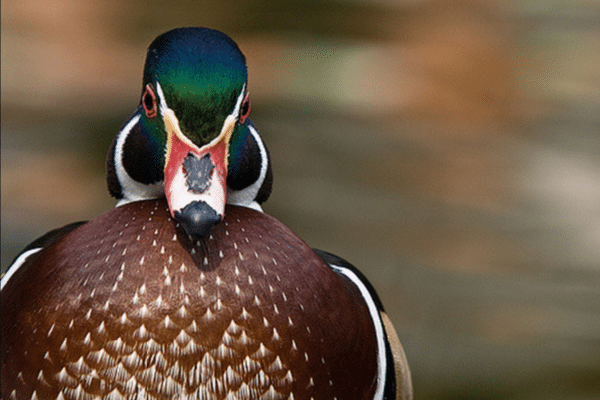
x: 36, y: 247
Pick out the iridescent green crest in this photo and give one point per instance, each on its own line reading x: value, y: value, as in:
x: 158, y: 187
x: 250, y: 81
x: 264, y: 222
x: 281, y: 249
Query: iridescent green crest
x: 201, y: 72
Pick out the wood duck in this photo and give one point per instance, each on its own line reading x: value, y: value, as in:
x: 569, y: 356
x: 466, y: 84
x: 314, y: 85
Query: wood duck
x: 187, y: 290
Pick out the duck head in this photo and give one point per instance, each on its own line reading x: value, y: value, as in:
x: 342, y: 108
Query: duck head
x: 190, y: 139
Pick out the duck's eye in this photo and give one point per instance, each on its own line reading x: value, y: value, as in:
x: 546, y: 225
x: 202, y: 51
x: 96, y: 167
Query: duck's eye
x: 149, y: 101
x: 245, y: 110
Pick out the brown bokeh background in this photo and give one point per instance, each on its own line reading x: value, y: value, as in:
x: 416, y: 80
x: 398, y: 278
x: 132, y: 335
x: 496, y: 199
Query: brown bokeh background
x: 448, y: 149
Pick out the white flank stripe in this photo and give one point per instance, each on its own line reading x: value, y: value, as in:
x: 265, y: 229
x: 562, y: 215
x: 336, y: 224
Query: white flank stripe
x: 16, y: 265
x: 379, y: 331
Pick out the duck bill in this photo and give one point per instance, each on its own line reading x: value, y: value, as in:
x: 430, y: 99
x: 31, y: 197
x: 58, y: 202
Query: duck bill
x: 196, y: 177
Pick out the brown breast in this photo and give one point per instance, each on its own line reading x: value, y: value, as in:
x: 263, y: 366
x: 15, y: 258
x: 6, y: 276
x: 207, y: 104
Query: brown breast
x: 126, y: 305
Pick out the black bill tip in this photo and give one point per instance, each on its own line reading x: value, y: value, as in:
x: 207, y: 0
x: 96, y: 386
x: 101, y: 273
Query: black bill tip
x: 198, y: 218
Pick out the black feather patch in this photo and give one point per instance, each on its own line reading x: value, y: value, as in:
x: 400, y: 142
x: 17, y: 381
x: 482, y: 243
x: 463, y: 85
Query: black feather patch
x: 332, y: 259
x: 141, y: 157
x: 244, y: 168
x: 245, y: 162
x: 50, y: 238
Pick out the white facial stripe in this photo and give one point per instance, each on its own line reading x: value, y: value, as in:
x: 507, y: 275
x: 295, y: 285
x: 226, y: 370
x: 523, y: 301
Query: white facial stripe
x: 246, y: 196
x: 236, y: 109
x: 172, y: 127
x: 379, y: 330
x: 226, y: 129
x: 238, y: 103
x: 132, y: 190
x: 16, y: 265
x: 230, y: 121
x: 161, y: 97
x: 171, y: 119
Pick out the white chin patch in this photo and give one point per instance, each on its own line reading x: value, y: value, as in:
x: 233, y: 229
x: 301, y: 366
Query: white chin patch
x: 180, y: 197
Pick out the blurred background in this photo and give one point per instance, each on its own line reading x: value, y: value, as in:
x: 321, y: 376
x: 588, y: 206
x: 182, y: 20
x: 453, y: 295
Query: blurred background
x: 450, y: 150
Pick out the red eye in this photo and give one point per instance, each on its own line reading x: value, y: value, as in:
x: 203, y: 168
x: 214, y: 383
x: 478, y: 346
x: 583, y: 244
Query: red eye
x: 245, y: 109
x: 149, y: 101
